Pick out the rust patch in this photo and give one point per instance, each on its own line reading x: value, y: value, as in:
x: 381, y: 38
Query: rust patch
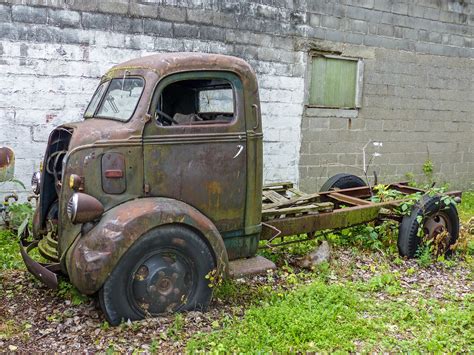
x: 214, y: 191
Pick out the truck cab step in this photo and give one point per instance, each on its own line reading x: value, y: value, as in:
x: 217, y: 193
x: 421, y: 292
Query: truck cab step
x: 251, y: 266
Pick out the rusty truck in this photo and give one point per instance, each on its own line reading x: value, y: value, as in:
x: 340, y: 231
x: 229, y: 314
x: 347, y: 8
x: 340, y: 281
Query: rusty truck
x: 161, y: 185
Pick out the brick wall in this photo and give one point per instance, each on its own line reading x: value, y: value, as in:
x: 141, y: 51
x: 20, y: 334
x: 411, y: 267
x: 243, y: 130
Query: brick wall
x: 417, y: 91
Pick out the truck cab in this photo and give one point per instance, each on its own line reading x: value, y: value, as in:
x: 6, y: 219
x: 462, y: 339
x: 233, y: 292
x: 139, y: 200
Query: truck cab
x: 157, y: 188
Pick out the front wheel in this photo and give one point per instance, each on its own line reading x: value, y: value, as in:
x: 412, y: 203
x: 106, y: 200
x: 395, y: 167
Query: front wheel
x: 163, y: 271
x: 430, y: 221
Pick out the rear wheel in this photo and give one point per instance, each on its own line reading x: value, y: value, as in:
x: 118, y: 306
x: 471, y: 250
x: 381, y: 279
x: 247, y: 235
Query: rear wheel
x: 163, y: 271
x: 342, y: 181
x: 430, y: 221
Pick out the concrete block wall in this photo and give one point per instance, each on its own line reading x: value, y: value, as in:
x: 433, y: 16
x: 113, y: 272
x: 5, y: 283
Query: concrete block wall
x: 419, y: 105
x: 52, y: 53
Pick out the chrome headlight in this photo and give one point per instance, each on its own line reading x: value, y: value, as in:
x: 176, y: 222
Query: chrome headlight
x: 72, y: 207
x: 82, y: 208
x: 36, y: 183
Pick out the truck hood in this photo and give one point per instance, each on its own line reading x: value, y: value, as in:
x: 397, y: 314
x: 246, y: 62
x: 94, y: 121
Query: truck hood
x: 95, y: 130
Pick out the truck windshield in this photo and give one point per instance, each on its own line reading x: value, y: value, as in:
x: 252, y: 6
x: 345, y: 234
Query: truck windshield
x: 119, y: 101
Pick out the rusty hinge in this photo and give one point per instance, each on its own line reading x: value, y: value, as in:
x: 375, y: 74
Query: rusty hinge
x: 146, y: 188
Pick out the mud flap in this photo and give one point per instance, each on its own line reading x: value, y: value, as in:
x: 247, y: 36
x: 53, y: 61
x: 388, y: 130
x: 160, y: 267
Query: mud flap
x: 46, y: 273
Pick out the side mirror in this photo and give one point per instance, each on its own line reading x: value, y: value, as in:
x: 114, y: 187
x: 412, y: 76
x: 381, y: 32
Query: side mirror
x: 7, y: 164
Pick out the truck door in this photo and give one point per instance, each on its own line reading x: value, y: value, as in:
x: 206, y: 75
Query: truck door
x: 195, y: 146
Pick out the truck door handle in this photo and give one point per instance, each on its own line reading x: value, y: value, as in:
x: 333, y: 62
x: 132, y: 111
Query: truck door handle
x: 241, y: 147
x: 256, y: 115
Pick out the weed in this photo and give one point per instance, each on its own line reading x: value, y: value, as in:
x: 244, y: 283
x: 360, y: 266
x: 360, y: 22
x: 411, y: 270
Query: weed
x: 447, y: 263
x: 385, y: 282
x: 69, y: 292
x: 428, y: 169
x: 111, y: 349
x: 154, y: 346
x: 424, y: 255
x: 20, y: 216
x: 411, y: 179
x: 9, y: 329
x: 104, y: 325
x: 236, y: 293
x: 398, y: 261
x: 10, y: 257
x: 135, y: 326
x: 174, y: 331
x: 466, y: 208
x: 55, y: 317
x: 323, y: 270
x: 370, y: 236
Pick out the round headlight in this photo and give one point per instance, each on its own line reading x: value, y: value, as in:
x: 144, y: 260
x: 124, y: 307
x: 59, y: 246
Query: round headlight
x: 36, y: 183
x: 82, y: 208
x: 72, y: 207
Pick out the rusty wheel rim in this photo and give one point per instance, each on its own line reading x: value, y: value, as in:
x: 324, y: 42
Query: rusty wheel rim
x: 437, y: 229
x: 161, y: 282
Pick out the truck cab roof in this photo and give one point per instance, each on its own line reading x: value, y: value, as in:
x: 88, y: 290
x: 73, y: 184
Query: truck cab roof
x: 164, y: 64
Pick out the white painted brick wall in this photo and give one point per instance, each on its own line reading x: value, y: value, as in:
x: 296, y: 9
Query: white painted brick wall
x: 53, y: 83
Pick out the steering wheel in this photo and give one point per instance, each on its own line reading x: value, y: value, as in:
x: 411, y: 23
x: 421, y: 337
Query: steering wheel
x: 167, y: 117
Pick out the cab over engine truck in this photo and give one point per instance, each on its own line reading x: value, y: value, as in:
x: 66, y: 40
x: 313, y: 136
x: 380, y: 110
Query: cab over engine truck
x: 161, y: 185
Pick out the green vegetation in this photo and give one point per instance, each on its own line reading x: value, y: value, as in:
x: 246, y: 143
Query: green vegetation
x: 10, y: 257
x: 345, y: 317
x: 466, y: 208
x: 20, y: 216
x: 69, y: 292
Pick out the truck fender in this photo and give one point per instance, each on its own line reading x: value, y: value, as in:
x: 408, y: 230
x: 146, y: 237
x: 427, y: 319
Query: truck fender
x: 94, y: 255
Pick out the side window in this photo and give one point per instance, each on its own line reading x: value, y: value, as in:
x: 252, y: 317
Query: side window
x: 196, y: 102
x: 220, y: 100
x: 335, y: 82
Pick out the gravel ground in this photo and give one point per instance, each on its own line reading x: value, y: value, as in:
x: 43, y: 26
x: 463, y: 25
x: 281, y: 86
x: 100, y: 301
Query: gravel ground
x: 35, y: 319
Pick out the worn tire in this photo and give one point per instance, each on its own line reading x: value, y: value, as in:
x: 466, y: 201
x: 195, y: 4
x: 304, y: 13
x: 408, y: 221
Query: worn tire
x: 342, y: 181
x: 163, y: 271
x: 408, y: 239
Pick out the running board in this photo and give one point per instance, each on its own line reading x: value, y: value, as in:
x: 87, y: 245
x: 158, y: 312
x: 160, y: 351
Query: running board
x: 251, y: 266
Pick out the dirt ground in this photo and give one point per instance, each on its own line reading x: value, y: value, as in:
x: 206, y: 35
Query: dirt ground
x: 35, y: 319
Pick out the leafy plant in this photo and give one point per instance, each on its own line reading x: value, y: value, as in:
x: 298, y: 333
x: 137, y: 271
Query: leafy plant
x: 154, y: 346
x: 466, y: 208
x: 20, y: 216
x: 10, y: 257
x: 385, y: 282
x: 175, y: 329
x: 428, y: 169
x: 69, y: 292
x: 424, y: 254
x: 385, y: 194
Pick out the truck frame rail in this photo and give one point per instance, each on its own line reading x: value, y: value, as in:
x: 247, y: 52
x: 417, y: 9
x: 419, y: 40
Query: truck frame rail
x: 287, y: 211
